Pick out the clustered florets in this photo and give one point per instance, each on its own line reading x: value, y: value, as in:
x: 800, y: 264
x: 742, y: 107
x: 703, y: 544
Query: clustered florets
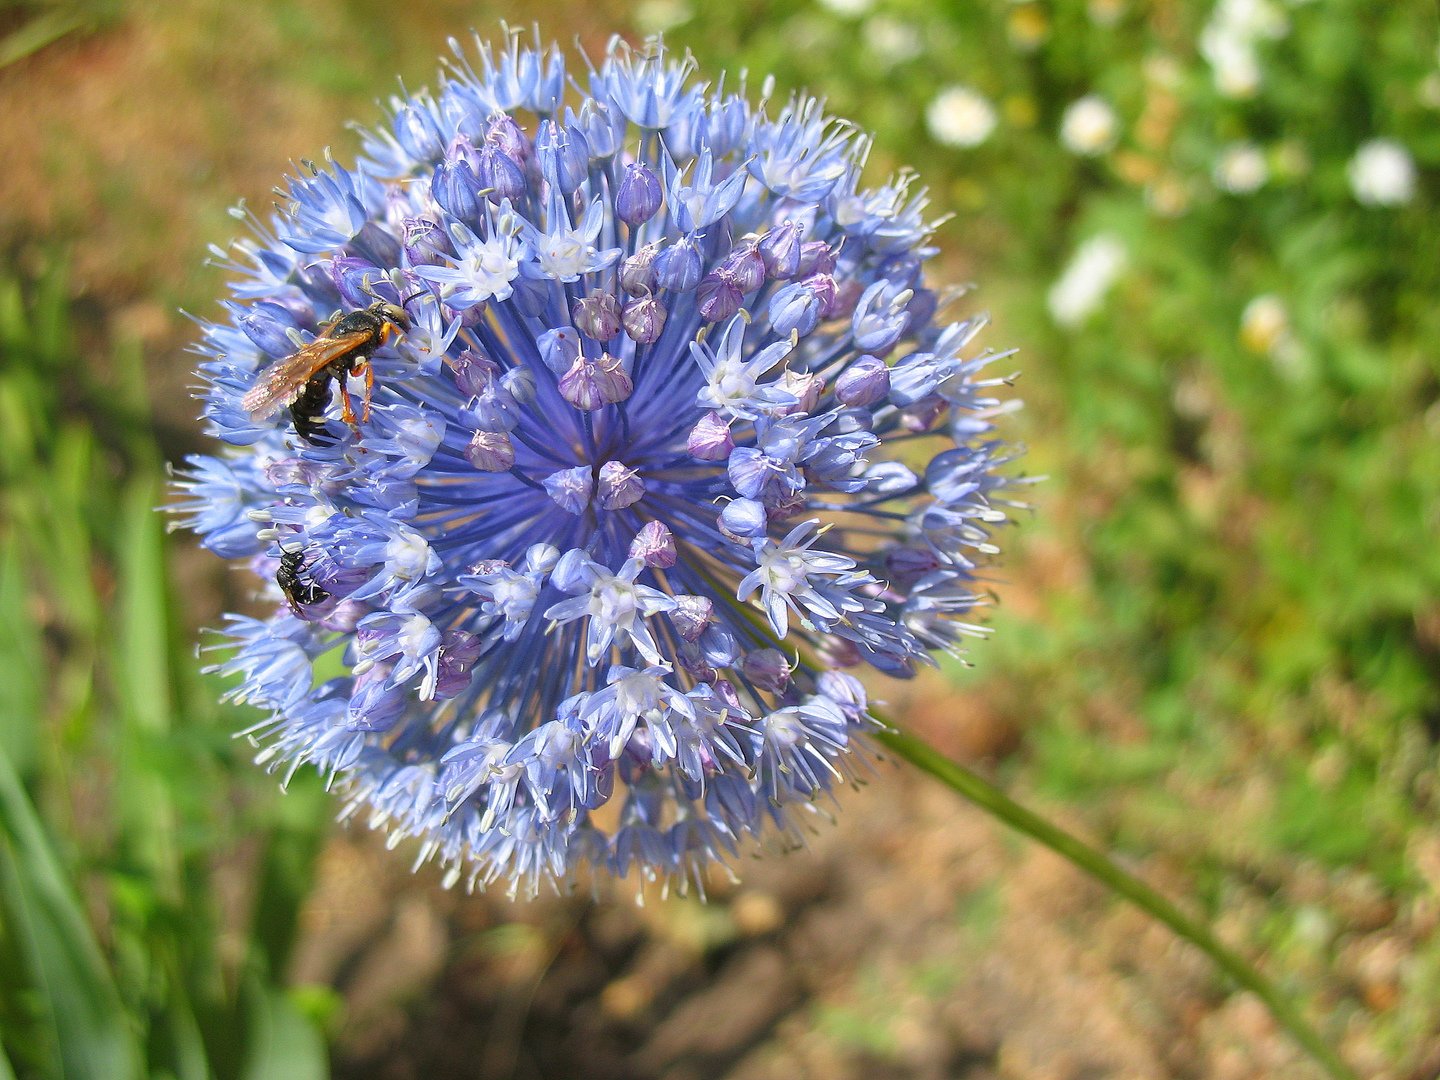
x: 673, y: 445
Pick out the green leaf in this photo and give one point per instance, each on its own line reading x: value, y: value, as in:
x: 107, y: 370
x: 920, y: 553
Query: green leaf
x: 90, y: 1033
x: 282, y: 1041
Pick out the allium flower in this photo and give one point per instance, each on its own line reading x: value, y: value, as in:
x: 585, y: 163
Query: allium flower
x: 672, y: 449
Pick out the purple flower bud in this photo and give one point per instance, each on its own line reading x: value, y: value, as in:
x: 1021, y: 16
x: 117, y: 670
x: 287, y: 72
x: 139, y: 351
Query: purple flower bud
x: 593, y: 384
x: 780, y: 250
x: 500, y: 178
x: 597, y: 316
x: 794, y: 309
x: 719, y: 646
x: 725, y: 691
x: 510, y: 139
x: 679, y: 266
x: 907, y: 565
x: 816, y: 257
x: 842, y: 652
x: 745, y: 267
x: 266, y: 325
x: 520, y: 384
x: 425, y: 242
x: 352, y: 277
x: 456, y: 659
x: 710, y: 439
x: 638, y: 197
x: 654, y: 545
x: 346, y: 614
x: 491, y: 451
x: 564, y: 156
x: 474, y: 372
x: 691, y: 615
x: 842, y: 298
x: 456, y: 187
x: 717, y: 297
x: 743, y: 518
x: 805, y: 387
x: 922, y: 308
x: 618, y: 486
x: 643, y: 319
x: 559, y: 348
x: 767, y: 669
x: 376, y: 244
x: 637, y: 273
x: 571, y: 489
x: 865, y: 382
x: 921, y: 416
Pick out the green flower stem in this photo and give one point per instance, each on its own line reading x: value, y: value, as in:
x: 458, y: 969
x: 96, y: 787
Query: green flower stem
x: 1103, y: 869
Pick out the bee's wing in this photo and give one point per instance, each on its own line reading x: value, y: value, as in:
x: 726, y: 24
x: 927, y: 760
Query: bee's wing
x: 283, y: 380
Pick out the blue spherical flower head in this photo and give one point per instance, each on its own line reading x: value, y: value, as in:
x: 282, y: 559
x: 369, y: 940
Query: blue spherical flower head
x: 671, y: 449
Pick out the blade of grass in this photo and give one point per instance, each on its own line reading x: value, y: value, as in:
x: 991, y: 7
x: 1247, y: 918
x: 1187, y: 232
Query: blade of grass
x: 282, y: 1041
x: 90, y: 1032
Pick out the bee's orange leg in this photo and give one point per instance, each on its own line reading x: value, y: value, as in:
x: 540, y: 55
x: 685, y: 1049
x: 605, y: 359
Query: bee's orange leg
x: 369, y: 373
x: 347, y: 410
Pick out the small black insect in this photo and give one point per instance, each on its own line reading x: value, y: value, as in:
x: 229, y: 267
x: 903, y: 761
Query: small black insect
x: 302, y: 379
x: 299, y: 591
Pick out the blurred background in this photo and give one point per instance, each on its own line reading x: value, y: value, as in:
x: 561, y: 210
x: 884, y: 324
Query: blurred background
x: 1211, y: 230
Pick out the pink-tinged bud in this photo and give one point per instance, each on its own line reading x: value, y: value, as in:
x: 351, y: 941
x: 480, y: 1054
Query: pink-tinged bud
x: 597, y: 316
x: 745, y: 267
x: 346, y: 614
x: 922, y: 415
x: 458, y: 652
x: 593, y: 384
x: 491, y: 451
x: 618, y: 486
x: 717, y: 297
x: 474, y: 372
x: 907, y: 565
x: 840, y: 652
x: 816, y: 257
x: 767, y: 669
x: 638, y: 196
x: 780, y: 249
x: 710, y: 439
x: 654, y: 545
x: 805, y: 387
x: 787, y: 507
x: 864, y: 382
x: 571, y: 489
x: 644, y: 319
x: 510, y: 139
x: 725, y: 691
x: 841, y: 299
x: 637, y: 273
x: 696, y: 665
x: 691, y: 615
